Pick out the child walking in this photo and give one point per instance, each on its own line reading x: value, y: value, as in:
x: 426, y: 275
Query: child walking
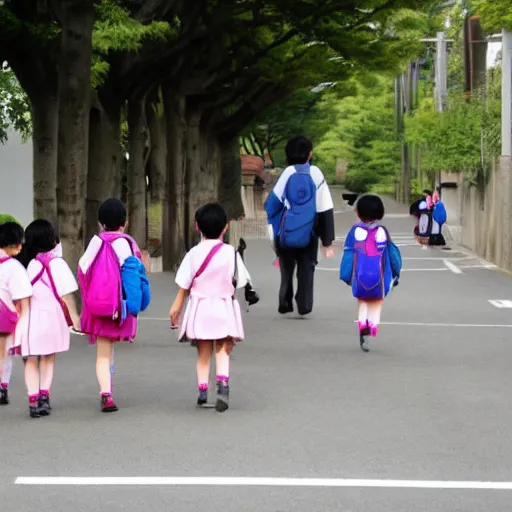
x: 15, y: 293
x: 300, y: 212
x: 52, y: 312
x: 371, y: 264
x: 114, y: 289
x: 209, y: 276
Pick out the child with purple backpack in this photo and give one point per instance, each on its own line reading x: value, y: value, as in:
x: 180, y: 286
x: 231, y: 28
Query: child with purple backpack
x: 371, y: 264
x: 114, y: 290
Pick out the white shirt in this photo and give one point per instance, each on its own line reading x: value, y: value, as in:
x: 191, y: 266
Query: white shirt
x: 64, y: 280
x: 323, y: 194
x: 14, y: 280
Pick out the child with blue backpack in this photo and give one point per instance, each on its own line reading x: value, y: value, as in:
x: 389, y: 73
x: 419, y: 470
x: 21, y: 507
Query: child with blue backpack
x: 114, y: 289
x: 300, y: 211
x: 371, y: 264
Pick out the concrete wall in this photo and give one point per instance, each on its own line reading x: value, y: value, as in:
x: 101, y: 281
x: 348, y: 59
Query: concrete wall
x: 479, y: 219
x: 16, y: 191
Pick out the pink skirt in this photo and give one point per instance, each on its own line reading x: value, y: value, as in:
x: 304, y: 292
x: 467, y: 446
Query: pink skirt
x: 211, y: 319
x: 99, y: 327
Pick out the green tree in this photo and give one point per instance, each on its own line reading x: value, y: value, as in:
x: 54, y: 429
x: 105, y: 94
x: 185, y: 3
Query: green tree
x: 495, y: 14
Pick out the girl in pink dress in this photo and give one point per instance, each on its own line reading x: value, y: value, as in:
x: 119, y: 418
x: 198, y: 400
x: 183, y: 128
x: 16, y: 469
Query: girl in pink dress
x: 52, y: 312
x: 105, y: 331
x: 15, y: 293
x: 209, y: 276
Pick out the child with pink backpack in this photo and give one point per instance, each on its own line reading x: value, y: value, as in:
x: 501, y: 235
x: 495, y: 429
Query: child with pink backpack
x: 209, y: 276
x: 114, y: 290
x: 15, y: 293
x: 51, y: 314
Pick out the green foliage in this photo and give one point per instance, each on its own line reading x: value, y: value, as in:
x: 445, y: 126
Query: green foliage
x: 115, y: 31
x: 366, y: 138
x: 14, y: 107
x: 495, y: 14
x: 462, y: 139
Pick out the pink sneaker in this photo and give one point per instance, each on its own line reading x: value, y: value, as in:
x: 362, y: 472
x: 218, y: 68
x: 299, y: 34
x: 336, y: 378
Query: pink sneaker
x: 374, y: 330
x: 363, y: 328
x: 107, y: 403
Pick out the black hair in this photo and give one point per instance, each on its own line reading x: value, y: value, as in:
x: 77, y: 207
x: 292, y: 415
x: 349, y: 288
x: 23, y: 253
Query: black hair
x: 370, y: 208
x: 112, y: 214
x: 427, y: 191
x: 211, y: 220
x: 11, y: 235
x: 39, y: 237
x: 298, y: 150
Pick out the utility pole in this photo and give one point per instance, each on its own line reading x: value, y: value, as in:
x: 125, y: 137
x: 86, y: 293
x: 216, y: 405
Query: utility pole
x: 440, y: 72
x: 506, y: 95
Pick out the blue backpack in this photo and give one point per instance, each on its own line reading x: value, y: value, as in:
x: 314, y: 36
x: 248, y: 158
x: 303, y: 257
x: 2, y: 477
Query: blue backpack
x: 136, y: 290
x: 439, y: 214
x: 298, y: 220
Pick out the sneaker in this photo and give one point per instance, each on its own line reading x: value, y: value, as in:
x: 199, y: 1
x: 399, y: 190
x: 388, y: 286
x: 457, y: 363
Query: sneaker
x: 202, y: 399
x: 44, y: 405
x: 4, y: 396
x: 222, y: 403
x: 363, y: 342
x: 107, y: 404
x: 33, y: 411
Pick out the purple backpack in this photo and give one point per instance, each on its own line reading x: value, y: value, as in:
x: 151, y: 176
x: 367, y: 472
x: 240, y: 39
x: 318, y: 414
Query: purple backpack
x: 368, y: 277
x: 8, y: 317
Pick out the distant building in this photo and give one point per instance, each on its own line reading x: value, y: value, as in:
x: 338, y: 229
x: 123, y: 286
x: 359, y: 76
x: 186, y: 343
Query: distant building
x: 16, y: 176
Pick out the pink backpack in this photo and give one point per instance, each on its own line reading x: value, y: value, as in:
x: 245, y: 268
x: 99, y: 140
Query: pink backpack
x: 8, y: 317
x: 101, y: 285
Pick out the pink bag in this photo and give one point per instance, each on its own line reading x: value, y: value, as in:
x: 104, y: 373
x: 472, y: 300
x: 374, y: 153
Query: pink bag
x: 8, y: 317
x: 101, y: 286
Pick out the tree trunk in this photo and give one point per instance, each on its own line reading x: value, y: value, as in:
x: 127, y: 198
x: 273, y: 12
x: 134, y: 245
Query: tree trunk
x: 230, y: 189
x: 202, y: 171
x: 103, y: 176
x: 45, y: 124
x: 74, y: 102
x: 158, y: 152
x: 173, y: 225
x: 137, y: 199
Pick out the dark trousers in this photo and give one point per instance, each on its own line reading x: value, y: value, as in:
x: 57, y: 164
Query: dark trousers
x: 305, y: 260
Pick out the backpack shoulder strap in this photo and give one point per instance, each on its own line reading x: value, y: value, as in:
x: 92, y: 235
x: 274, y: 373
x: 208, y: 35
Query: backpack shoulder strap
x: 213, y: 251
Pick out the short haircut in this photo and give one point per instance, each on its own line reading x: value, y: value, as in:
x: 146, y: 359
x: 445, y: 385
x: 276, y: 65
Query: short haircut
x: 11, y: 235
x: 211, y: 220
x: 370, y: 208
x: 112, y: 214
x: 40, y: 237
x: 298, y: 150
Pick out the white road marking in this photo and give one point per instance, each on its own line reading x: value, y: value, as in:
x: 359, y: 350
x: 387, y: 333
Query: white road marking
x: 501, y: 304
x: 396, y: 324
x: 403, y: 270
x: 452, y: 267
x: 268, y: 482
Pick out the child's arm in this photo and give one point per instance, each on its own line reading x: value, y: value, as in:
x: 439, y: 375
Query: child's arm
x: 177, y: 306
x: 70, y: 302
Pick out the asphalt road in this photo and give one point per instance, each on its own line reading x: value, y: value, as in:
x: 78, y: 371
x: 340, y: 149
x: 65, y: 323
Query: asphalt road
x: 428, y: 404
